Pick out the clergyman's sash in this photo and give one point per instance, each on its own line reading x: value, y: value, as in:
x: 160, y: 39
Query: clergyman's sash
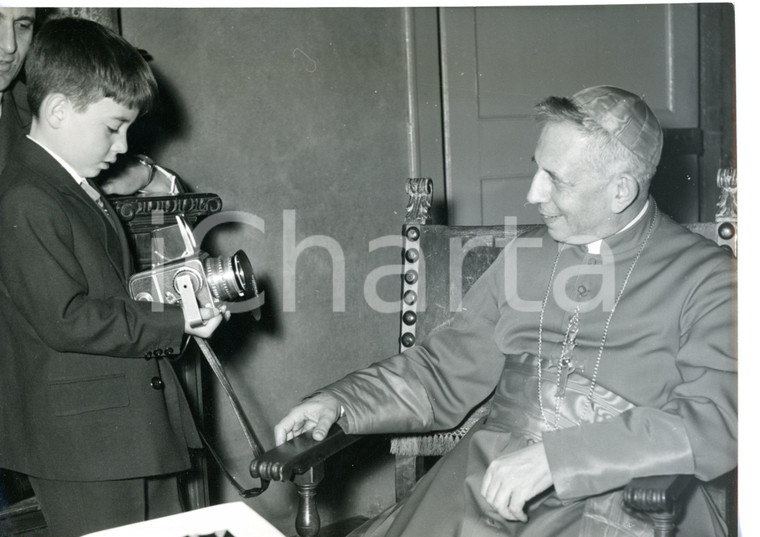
x: 515, y: 408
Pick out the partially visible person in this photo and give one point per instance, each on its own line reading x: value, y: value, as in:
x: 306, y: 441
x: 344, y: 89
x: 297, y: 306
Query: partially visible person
x: 16, y: 30
x: 90, y: 407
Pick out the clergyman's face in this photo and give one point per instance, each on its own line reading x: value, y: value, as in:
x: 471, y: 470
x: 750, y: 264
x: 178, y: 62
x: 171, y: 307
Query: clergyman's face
x: 574, y: 198
x: 16, y: 27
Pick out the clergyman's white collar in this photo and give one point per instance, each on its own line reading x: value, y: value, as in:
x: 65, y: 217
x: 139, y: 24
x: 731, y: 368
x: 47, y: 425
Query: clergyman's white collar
x: 596, y: 246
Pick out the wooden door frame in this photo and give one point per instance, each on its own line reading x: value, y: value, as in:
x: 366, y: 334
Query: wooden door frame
x: 717, y: 100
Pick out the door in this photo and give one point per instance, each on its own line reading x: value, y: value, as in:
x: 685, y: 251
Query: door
x: 498, y: 62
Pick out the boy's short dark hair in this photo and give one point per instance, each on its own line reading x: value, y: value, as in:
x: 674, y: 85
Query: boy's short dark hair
x: 87, y: 62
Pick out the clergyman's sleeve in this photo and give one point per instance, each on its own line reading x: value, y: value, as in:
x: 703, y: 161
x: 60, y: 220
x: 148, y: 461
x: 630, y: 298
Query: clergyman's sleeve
x: 434, y: 385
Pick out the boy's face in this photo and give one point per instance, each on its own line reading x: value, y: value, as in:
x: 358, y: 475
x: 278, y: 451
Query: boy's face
x: 93, y: 138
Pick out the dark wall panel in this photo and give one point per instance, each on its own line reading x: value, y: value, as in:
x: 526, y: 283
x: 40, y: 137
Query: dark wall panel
x: 280, y: 110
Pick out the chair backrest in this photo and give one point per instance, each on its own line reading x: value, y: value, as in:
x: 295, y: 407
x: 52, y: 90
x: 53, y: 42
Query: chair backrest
x: 440, y: 265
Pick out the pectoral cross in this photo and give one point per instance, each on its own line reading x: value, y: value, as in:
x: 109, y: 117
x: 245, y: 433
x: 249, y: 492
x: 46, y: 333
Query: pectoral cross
x: 564, y: 367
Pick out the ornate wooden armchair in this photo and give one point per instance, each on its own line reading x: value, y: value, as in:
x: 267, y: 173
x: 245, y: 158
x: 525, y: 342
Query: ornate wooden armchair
x: 440, y: 264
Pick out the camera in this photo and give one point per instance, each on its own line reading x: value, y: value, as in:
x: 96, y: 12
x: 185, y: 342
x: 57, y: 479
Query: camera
x: 185, y: 275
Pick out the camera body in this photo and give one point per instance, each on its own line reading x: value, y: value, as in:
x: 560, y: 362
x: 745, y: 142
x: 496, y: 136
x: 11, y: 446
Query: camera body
x: 192, y: 278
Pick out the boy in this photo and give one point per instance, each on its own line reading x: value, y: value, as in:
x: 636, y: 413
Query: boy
x: 89, y: 407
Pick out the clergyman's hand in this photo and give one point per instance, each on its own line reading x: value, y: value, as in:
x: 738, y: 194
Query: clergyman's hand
x: 126, y: 177
x: 316, y: 414
x: 138, y: 175
x: 513, y: 479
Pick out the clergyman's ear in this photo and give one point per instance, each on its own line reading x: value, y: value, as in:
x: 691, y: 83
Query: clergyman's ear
x: 625, y: 192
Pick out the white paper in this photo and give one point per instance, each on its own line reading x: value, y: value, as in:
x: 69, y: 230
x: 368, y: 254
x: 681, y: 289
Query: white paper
x: 236, y: 519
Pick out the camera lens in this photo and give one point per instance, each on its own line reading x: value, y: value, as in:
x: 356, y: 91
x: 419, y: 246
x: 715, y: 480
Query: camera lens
x: 231, y: 279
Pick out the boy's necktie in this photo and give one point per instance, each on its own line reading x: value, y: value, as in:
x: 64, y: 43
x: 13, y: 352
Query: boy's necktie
x: 94, y: 194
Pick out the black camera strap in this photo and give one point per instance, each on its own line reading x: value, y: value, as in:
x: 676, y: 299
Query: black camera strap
x: 250, y: 436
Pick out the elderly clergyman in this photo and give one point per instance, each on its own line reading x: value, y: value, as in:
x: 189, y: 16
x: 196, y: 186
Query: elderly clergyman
x: 607, y: 336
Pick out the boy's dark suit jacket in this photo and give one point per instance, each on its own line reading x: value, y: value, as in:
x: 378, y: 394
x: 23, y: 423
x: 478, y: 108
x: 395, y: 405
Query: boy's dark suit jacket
x: 79, y: 400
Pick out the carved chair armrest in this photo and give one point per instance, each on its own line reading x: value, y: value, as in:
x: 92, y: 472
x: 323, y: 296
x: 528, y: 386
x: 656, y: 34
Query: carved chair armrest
x: 297, y: 456
x: 301, y: 461
x: 658, y: 496
x: 656, y: 493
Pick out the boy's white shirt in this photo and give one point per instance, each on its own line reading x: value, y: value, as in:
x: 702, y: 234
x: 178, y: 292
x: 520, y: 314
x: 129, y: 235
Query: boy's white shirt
x: 78, y: 178
x: 81, y: 181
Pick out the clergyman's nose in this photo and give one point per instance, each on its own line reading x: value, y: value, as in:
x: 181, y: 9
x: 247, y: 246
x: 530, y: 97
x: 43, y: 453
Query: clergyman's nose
x: 539, y: 189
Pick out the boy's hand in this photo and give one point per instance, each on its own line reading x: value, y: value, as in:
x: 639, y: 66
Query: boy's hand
x: 211, y: 321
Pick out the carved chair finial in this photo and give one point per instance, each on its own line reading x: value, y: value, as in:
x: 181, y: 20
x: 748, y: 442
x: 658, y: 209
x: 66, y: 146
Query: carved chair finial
x: 726, y: 210
x: 420, y: 191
